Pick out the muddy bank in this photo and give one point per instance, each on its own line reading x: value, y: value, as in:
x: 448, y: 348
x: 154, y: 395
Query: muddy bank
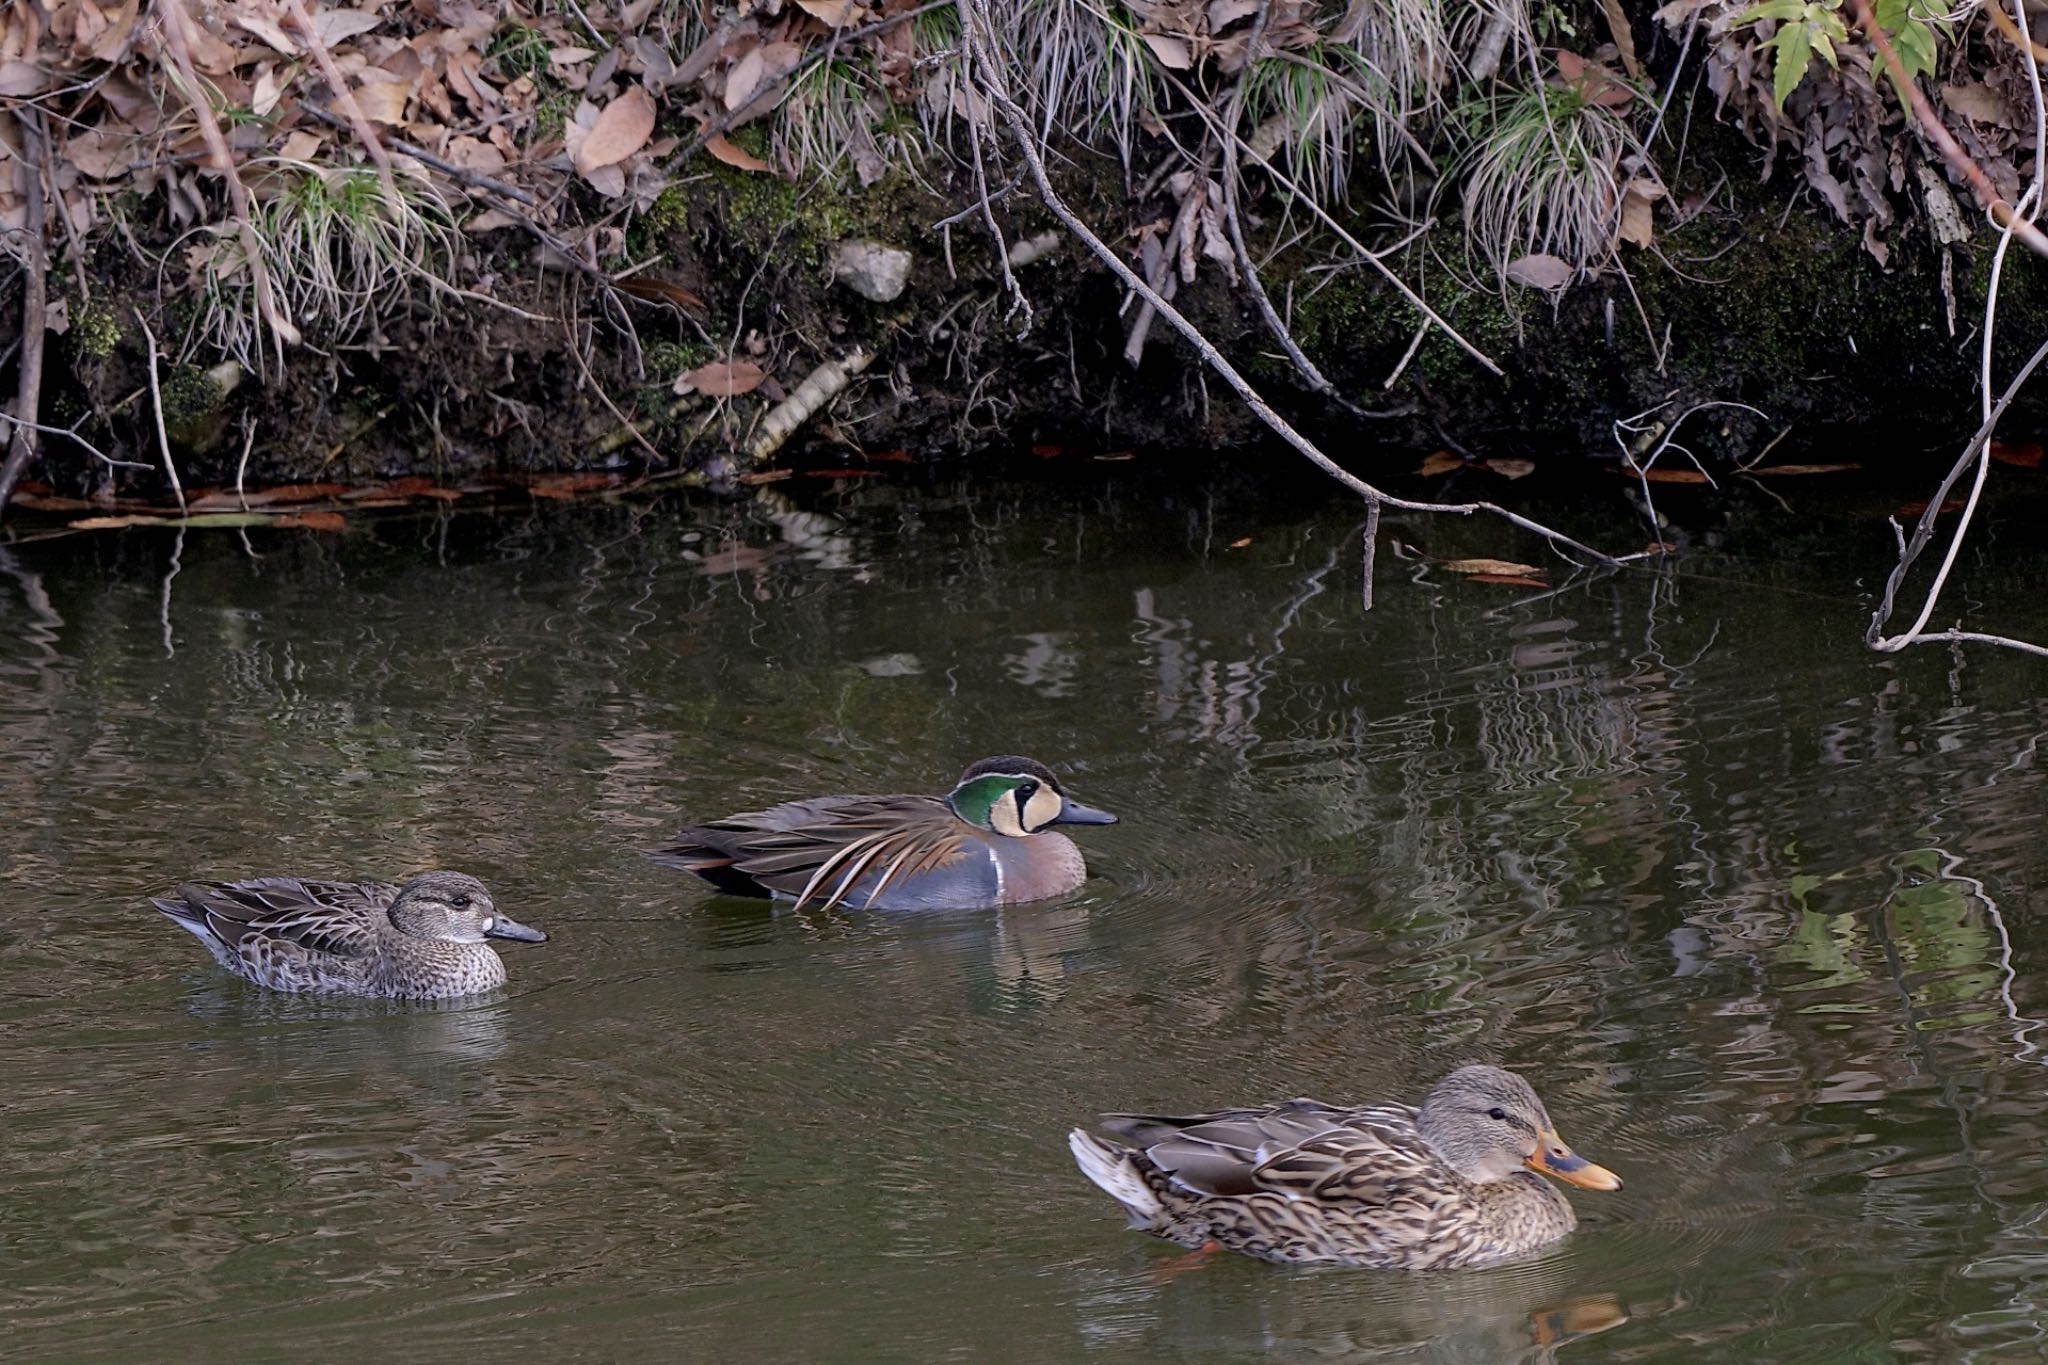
x: 1756, y: 303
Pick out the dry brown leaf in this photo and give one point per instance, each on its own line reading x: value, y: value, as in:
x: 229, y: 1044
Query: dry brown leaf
x: 2024, y: 454
x: 662, y: 291
x: 1540, y: 270
x: 314, y: 521
x: 1512, y: 580
x: 1637, y: 220
x: 1492, y: 566
x: 1440, y: 462
x: 830, y: 13
x: 1173, y: 53
x: 1240, y: 543
x: 337, y: 26
x: 732, y: 154
x: 113, y: 523
x: 1659, y: 474
x: 383, y: 98
x: 621, y: 130
x: 726, y: 378
x: 1977, y: 102
x: 1806, y: 468
x: 1511, y: 468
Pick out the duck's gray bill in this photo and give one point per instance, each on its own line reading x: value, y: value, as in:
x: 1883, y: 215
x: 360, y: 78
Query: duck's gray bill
x: 1074, y: 813
x: 504, y: 927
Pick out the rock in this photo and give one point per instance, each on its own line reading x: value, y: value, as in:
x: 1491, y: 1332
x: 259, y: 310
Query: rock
x: 873, y: 270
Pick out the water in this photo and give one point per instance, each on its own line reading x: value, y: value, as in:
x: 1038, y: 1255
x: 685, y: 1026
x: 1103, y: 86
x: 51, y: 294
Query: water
x: 1752, y: 907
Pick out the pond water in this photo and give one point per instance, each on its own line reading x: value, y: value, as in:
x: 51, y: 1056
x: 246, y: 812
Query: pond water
x: 1752, y: 907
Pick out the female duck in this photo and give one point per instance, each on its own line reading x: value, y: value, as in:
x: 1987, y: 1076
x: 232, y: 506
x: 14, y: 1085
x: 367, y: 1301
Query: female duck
x: 421, y: 941
x: 1378, y: 1185
x: 989, y: 842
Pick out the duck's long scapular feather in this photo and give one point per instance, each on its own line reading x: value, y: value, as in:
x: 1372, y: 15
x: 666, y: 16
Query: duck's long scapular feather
x: 820, y: 847
x: 323, y: 917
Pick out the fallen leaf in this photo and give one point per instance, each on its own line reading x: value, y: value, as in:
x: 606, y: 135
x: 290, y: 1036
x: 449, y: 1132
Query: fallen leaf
x: 2024, y: 454
x: 830, y: 13
x: 1638, y: 223
x: 1512, y: 580
x: 761, y: 476
x: 1977, y: 102
x: 1805, y: 469
x: 1116, y: 456
x: 565, y: 486
x: 43, y: 502
x: 294, y: 492
x: 1511, y: 469
x: 733, y: 559
x: 734, y: 155
x: 1441, y: 462
x: 1173, y: 53
x: 1490, y: 566
x: 661, y: 291
x: 1659, y: 474
x: 1240, y: 544
x: 313, y: 521
x: 726, y: 378
x: 621, y: 130
x: 1540, y: 271
x: 111, y: 523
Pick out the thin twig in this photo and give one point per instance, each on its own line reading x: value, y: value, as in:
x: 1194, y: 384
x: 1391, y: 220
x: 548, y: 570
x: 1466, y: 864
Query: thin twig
x: 475, y: 179
x: 1372, y: 538
x: 156, y: 394
x: 977, y: 30
x: 28, y: 391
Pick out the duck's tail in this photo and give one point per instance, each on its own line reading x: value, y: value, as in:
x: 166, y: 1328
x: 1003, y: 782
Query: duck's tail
x: 1109, y: 1165
x: 186, y: 916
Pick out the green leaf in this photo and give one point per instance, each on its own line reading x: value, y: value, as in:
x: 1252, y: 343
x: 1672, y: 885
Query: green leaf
x: 1780, y: 10
x: 1794, y: 43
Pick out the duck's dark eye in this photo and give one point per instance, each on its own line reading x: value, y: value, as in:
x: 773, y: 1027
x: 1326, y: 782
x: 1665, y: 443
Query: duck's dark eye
x: 1497, y: 1113
x: 461, y: 902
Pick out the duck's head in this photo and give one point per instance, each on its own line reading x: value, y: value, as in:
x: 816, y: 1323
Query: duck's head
x: 1018, y: 797
x: 1488, y: 1124
x: 450, y: 907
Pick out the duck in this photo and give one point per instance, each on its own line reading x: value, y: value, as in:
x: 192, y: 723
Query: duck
x: 422, y: 940
x: 1383, y: 1185
x: 989, y: 842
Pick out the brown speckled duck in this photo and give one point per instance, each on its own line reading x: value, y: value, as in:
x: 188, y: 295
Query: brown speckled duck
x: 421, y: 941
x: 1384, y: 1186
x: 988, y: 842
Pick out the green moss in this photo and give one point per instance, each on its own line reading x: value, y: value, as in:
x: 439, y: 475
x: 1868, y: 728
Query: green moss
x: 95, y: 331
x: 194, y: 408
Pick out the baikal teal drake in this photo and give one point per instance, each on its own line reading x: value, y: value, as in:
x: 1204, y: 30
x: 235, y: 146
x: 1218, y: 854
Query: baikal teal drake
x: 424, y: 940
x: 1384, y: 1186
x: 988, y: 842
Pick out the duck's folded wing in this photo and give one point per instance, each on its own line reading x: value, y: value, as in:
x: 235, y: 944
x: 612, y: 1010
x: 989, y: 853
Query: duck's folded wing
x: 1220, y: 1153
x: 323, y: 917
x: 822, y: 849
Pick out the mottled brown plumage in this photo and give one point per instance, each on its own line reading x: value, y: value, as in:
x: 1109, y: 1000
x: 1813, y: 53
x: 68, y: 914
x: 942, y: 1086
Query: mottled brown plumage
x: 988, y: 842
x: 421, y: 941
x: 1377, y: 1185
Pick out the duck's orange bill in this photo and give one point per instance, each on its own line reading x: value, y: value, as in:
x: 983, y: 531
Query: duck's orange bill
x: 1552, y: 1157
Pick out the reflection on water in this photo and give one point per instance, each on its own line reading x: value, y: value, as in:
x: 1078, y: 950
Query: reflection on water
x: 1752, y: 907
